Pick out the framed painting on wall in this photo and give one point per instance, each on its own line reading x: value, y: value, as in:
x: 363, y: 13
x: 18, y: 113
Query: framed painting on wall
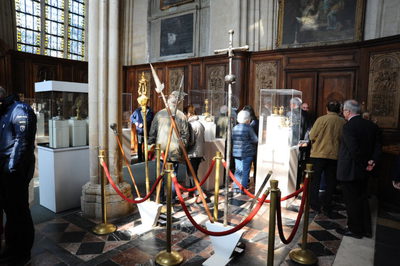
x: 319, y: 22
x: 165, y: 4
x: 176, y: 36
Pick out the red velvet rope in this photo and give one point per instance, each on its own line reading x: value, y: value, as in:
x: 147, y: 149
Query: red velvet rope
x: 299, y: 215
x: 122, y: 194
x: 207, y: 175
x: 211, y: 233
x: 248, y: 193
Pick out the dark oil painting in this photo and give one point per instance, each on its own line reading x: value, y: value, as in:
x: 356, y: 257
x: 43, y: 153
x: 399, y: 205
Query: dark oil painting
x: 319, y: 22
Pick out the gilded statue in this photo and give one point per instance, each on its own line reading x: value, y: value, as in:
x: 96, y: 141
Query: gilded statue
x: 281, y: 110
x: 142, y: 91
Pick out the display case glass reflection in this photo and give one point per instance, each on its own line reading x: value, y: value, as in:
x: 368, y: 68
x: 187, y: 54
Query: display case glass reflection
x: 62, y: 115
x: 213, y: 110
x: 280, y: 117
x: 126, y: 109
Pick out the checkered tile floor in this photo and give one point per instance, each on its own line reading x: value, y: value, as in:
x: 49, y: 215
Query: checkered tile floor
x: 68, y: 240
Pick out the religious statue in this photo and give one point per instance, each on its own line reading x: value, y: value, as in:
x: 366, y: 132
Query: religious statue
x: 142, y: 92
x: 206, y: 113
x: 281, y: 110
x: 275, y: 110
x: 78, y: 104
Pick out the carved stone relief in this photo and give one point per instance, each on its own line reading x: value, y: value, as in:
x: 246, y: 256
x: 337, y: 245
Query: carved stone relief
x: 384, y: 89
x: 266, y: 78
x: 215, y: 76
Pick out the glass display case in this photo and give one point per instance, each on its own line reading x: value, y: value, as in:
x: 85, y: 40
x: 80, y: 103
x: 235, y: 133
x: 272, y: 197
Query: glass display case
x: 62, y: 113
x: 212, y: 108
x: 279, y: 134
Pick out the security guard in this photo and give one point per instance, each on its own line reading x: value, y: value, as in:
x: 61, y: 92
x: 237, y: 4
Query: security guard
x: 17, y: 165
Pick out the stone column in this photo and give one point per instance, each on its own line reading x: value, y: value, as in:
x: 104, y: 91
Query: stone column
x: 104, y: 109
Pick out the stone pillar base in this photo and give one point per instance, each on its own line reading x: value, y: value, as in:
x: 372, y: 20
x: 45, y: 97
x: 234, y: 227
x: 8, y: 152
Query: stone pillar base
x: 116, y: 206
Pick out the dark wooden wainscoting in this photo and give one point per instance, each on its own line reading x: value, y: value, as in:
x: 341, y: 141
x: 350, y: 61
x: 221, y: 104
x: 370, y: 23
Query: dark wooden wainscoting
x: 19, y: 71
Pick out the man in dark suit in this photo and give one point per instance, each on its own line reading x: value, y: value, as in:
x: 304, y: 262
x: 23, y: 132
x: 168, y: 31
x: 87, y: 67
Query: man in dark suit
x: 359, y: 150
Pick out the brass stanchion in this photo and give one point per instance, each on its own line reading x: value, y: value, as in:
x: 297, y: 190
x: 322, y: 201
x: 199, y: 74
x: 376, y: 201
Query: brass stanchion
x: 169, y: 257
x: 303, y: 255
x: 103, y: 228
x: 272, y: 214
x: 158, y: 171
x: 218, y: 158
x: 146, y: 150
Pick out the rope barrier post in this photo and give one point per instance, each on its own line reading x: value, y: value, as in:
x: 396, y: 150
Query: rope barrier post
x: 158, y: 171
x: 169, y: 257
x: 303, y: 255
x: 271, y: 230
x: 103, y: 228
x: 218, y: 158
x: 146, y: 150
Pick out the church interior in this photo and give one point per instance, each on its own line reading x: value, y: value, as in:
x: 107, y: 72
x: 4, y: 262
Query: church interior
x: 103, y: 192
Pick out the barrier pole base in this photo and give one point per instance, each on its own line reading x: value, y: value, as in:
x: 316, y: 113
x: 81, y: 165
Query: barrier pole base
x: 104, y: 229
x: 169, y: 258
x: 303, y: 256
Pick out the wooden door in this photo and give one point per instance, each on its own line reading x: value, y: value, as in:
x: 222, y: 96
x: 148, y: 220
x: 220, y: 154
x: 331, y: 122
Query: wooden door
x: 334, y: 85
x: 305, y: 82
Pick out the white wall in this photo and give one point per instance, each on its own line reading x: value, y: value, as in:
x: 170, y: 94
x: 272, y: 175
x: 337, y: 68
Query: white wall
x: 254, y: 23
x: 382, y: 19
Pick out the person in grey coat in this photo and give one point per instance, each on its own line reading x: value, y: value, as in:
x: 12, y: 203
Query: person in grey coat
x: 159, y: 132
x: 196, y: 143
x: 244, y: 146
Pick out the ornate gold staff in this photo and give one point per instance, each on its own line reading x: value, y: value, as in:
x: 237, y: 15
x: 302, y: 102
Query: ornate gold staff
x: 142, y: 100
x: 159, y: 88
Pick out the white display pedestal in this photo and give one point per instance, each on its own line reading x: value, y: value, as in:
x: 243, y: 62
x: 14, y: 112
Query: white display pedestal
x: 277, y: 155
x: 77, y: 132
x: 62, y: 174
x: 58, y: 133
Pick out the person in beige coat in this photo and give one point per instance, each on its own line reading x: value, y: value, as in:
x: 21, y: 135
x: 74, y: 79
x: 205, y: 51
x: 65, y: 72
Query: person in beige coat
x: 325, y: 139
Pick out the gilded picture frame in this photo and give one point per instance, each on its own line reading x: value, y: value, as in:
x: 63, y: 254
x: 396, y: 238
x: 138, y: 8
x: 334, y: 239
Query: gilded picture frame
x: 319, y: 22
x: 166, y: 4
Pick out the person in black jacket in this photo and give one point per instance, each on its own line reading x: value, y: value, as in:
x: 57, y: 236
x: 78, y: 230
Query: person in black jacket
x: 17, y: 165
x: 359, y: 151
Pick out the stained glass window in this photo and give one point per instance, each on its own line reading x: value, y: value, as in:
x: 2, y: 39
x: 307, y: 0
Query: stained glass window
x: 28, y: 25
x: 51, y: 27
x: 54, y: 28
x: 76, y: 29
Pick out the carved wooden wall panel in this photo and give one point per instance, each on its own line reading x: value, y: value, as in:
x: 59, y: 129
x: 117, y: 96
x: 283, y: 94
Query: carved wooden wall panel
x: 384, y: 88
x: 215, y: 85
x: 321, y: 59
x: 333, y: 85
x: 174, y: 78
x: 305, y: 82
x: 266, y: 77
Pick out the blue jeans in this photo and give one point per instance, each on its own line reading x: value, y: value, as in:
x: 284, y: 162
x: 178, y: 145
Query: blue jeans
x: 242, y: 170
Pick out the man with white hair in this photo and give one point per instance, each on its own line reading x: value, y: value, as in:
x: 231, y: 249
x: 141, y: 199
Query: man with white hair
x: 17, y: 165
x: 359, y: 151
x: 244, y: 146
x: 159, y: 131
